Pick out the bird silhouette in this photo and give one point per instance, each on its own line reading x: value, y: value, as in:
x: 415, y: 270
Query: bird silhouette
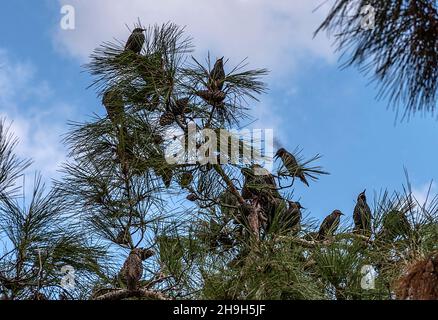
x: 330, y: 224
x: 217, y: 76
x: 362, y: 215
x: 132, y: 269
x: 292, y: 217
x: 258, y: 182
x: 288, y: 215
x: 291, y: 164
x: 136, y: 41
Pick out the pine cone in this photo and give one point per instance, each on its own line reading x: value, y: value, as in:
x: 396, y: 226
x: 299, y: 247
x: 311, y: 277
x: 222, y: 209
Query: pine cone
x: 212, y: 97
x: 192, y: 197
x: 181, y: 106
x: 124, y: 238
x: 167, y: 119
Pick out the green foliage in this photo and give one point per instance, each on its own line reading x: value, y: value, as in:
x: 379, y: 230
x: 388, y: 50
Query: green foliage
x: 234, y: 239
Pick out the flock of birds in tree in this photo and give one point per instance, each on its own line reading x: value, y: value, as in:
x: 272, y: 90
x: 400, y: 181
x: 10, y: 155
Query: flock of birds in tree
x: 261, y: 188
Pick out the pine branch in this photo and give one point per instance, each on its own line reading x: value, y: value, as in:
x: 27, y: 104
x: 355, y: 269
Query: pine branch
x: 126, y: 294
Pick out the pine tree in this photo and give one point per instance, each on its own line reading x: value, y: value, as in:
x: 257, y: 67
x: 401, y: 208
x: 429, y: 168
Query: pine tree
x: 39, y: 237
x: 399, y: 49
x: 135, y: 225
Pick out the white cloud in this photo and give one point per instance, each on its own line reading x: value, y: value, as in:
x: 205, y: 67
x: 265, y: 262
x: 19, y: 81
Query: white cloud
x: 277, y: 35
x: 28, y: 103
x: 273, y: 34
x: 425, y: 193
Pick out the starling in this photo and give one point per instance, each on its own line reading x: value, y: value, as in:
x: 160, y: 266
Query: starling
x: 217, y: 76
x: 132, y: 269
x: 362, y: 215
x: 291, y: 219
x: 291, y: 164
x: 288, y: 215
x: 330, y: 224
x: 259, y: 184
x: 113, y: 102
x: 394, y: 224
x: 135, y: 41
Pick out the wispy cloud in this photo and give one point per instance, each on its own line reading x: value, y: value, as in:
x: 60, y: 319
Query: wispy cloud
x: 30, y: 105
x: 277, y: 35
x: 274, y: 34
x: 425, y: 193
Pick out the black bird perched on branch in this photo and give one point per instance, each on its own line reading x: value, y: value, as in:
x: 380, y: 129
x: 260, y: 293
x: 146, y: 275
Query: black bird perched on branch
x: 136, y: 41
x: 362, y: 215
x: 260, y: 185
x: 217, y: 76
x: 259, y: 182
x: 132, y: 270
x: 291, y: 164
x: 288, y: 215
x: 330, y: 224
x: 292, y: 217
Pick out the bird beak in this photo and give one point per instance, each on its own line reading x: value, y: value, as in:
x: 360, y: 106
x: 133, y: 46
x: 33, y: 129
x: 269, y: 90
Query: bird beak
x: 364, y: 191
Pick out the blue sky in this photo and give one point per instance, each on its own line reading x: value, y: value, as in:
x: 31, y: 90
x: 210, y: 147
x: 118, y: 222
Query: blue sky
x: 311, y: 102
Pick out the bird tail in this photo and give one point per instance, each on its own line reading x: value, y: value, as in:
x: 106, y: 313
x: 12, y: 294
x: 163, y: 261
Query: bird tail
x: 304, y: 180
